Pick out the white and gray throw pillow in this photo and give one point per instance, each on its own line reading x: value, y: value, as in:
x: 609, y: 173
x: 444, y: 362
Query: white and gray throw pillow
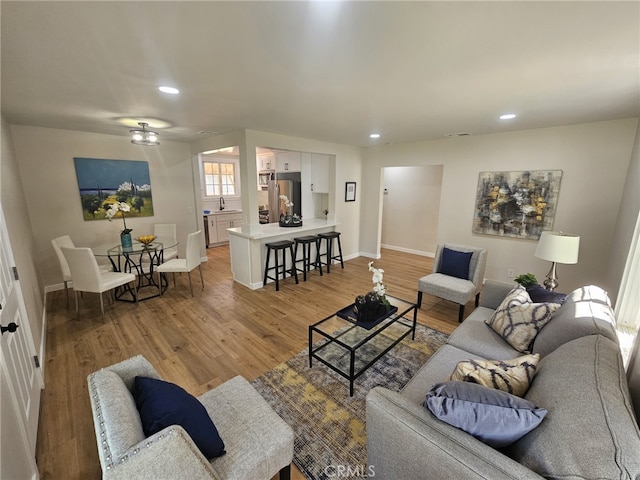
x: 518, y: 320
x: 512, y: 376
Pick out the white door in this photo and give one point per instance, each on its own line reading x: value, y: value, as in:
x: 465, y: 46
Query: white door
x: 21, y: 380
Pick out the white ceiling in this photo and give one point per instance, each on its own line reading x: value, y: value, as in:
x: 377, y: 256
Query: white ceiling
x: 333, y: 71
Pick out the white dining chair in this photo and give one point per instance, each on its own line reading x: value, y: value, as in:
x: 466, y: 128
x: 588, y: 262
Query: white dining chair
x: 195, y: 241
x: 58, y: 243
x: 65, y: 241
x: 167, y: 231
x: 87, y: 277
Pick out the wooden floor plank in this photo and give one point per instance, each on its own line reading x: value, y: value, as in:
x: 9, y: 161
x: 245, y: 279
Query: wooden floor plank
x: 198, y: 342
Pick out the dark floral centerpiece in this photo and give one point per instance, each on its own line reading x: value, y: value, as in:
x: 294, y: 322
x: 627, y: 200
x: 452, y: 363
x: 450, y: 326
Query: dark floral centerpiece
x: 373, y: 305
x: 289, y: 219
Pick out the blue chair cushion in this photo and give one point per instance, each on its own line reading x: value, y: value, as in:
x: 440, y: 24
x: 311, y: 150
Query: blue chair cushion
x: 162, y: 404
x: 455, y: 263
x: 494, y: 417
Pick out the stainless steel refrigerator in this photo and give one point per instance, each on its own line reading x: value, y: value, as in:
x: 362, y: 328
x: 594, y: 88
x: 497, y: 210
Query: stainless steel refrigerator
x: 286, y: 184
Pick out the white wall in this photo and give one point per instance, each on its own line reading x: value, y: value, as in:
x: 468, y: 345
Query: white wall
x: 17, y: 216
x: 410, y: 208
x: 594, y: 159
x: 45, y: 159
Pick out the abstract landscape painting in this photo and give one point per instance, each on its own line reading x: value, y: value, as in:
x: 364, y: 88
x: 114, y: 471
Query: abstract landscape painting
x: 103, y: 182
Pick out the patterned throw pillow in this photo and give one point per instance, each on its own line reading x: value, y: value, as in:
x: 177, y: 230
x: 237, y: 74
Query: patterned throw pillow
x: 512, y: 376
x: 517, y: 320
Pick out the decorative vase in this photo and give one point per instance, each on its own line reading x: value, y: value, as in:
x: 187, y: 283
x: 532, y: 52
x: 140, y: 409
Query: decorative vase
x: 125, y: 240
x: 290, y: 221
x: 369, y: 307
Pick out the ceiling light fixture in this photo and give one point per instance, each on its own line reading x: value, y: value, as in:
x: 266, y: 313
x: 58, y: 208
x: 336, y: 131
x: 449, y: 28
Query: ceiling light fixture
x: 144, y: 136
x: 171, y: 90
x: 374, y: 135
x: 508, y: 116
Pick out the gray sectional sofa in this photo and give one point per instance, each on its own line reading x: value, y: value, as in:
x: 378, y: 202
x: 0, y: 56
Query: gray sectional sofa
x: 589, y: 432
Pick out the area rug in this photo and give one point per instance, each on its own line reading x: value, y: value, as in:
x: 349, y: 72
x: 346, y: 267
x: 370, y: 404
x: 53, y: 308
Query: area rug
x: 329, y: 425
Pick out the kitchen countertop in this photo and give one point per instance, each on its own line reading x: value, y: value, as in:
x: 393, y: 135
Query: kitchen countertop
x: 267, y: 230
x: 220, y: 212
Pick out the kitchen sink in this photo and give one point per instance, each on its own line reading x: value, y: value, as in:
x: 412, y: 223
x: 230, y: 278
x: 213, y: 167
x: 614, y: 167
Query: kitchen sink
x: 229, y: 210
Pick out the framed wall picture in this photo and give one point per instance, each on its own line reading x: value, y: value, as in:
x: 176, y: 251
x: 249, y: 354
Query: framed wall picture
x: 102, y: 182
x: 516, y: 204
x: 350, y: 192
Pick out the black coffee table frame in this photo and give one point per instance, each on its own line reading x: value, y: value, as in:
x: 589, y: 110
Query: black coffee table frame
x: 349, y: 350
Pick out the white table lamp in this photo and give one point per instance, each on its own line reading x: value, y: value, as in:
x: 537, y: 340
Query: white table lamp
x: 557, y: 247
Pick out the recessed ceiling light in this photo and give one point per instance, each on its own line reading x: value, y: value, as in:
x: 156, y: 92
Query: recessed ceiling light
x: 508, y: 116
x: 171, y: 90
x: 374, y: 135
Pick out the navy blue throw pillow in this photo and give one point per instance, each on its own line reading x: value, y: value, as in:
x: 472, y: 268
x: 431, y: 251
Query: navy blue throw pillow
x: 455, y: 263
x: 539, y: 294
x: 162, y: 404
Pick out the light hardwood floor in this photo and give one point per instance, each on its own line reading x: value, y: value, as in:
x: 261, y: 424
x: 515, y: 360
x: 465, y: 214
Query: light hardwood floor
x: 198, y: 343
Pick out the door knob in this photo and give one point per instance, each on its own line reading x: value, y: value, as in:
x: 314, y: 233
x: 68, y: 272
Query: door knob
x: 12, y: 327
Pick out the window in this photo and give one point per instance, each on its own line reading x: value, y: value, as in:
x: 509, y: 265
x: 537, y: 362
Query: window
x: 219, y: 178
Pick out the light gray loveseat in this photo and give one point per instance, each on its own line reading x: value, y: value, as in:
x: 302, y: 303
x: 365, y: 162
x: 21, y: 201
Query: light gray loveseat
x: 259, y: 444
x: 590, y: 430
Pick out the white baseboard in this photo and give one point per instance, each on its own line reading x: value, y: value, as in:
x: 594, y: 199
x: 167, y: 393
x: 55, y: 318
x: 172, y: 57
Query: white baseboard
x: 408, y: 250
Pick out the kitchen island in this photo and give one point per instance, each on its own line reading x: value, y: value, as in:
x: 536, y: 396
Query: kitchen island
x: 248, y: 251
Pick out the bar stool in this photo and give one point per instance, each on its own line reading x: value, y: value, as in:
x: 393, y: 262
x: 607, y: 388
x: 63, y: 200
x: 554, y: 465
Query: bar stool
x: 280, y: 268
x: 328, y: 237
x: 306, y: 243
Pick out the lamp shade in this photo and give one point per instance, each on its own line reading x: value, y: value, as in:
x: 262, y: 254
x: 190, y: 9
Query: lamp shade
x: 558, y: 247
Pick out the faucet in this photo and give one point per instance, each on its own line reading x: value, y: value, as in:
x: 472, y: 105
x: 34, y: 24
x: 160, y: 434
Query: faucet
x: 221, y: 203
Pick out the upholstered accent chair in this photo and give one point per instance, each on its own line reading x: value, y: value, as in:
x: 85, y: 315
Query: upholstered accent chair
x: 258, y: 443
x: 457, y: 276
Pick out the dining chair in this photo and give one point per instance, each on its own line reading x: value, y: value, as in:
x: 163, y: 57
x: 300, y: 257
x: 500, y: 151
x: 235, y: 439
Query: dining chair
x: 65, y: 241
x: 195, y: 241
x: 87, y: 277
x: 58, y: 243
x: 167, y: 231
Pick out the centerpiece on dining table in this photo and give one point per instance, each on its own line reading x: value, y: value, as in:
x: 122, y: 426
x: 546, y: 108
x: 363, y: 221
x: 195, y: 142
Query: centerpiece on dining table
x: 373, y: 306
x: 289, y: 219
x: 125, y: 235
x: 146, y: 240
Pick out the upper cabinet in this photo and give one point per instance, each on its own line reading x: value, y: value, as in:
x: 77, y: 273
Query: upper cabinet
x: 265, y: 162
x: 287, y: 162
x: 319, y: 173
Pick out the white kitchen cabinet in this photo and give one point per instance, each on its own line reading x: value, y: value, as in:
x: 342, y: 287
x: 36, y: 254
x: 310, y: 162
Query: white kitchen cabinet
x: 217, y: 227
x: 287, y: 162
x: 265, y: 162
x: 319, y: 173
x: 224, y: 221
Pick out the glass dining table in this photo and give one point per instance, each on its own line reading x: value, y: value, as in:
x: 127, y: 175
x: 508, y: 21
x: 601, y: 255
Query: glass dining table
x: 141, y: 260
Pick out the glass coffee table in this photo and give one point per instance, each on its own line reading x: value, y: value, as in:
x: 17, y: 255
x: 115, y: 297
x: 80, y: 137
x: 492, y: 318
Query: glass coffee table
x: 351, y: 347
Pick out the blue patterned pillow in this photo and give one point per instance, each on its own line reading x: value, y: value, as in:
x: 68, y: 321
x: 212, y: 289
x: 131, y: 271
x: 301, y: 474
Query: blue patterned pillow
x: 494, y: 417
x: 518, y: 320
x: 455, y: 263
x: 162, y: 404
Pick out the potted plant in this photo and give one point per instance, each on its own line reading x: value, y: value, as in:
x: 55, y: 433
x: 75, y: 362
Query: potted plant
x: 526, y: 279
